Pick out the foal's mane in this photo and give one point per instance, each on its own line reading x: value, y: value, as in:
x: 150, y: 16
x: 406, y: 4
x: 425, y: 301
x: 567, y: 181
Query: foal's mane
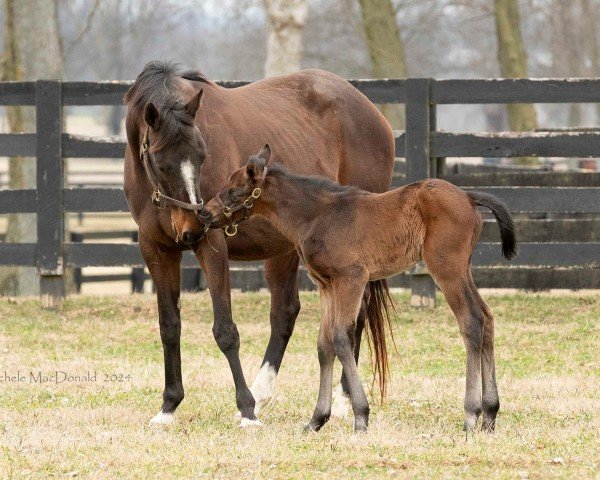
x: 160, y: 84
x: 308, y: 182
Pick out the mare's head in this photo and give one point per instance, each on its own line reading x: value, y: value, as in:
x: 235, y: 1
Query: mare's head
x: 234, y: 202
x: 161, y: 109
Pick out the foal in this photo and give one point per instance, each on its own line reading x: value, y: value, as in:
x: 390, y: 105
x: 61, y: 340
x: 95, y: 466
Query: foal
x: 348, y: 237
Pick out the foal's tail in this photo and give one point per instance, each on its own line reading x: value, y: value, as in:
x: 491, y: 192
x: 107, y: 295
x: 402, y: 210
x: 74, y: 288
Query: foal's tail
x: 505, y: 221
x: 378, y: 321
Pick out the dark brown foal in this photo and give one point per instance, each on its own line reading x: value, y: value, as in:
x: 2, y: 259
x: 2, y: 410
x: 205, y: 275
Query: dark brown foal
x: 348, y: 237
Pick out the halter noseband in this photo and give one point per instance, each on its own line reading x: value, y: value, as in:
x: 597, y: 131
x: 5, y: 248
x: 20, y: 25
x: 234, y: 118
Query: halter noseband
x: 231, y: 229
x: 158, y: 198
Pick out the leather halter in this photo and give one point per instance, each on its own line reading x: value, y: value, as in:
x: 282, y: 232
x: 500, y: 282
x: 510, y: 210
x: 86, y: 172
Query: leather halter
x: 158, y: 198
x: 246, y: 205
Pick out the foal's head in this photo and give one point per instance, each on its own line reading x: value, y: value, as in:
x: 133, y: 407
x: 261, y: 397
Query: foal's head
x: 244, y: 187
x: 162, y: 107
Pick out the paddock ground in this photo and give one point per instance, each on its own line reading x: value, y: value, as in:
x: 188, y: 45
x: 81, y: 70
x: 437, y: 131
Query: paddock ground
x: 548, y: 371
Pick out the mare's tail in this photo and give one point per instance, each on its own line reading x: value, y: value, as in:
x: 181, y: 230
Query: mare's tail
x: 378, y: 321
x: 505, y: 221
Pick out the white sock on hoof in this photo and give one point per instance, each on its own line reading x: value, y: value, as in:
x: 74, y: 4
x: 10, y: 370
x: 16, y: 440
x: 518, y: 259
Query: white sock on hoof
x: 263, y: 386
x: 246, y: 422
x: 162, y: 419
x: 341, y: 403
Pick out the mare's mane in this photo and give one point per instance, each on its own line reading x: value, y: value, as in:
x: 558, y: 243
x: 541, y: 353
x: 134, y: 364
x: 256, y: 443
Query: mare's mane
x: 160, y: 84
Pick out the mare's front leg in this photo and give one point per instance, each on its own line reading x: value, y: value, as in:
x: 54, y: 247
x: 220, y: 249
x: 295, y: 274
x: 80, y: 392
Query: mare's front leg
x: 216, y: 267
x: 164, y: 269
x: 282, y: 277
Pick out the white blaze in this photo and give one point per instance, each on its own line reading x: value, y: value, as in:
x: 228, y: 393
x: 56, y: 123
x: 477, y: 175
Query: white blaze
x: 187, y: 172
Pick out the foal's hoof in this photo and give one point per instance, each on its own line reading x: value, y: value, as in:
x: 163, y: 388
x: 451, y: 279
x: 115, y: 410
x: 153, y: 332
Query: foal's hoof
x: 162, y: 418
x: 488, y: 426
x: 247, y: 422
x: 360, y: 426
x: 311, y: 427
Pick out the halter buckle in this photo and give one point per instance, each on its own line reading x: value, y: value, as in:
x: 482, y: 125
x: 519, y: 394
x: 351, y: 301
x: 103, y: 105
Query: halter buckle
x: 227, y: 211
x: 156, y: 194
x: 256, y: 193
x: 233, y: 231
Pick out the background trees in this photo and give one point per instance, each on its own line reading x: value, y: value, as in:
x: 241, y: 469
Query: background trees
x: 32, y: 50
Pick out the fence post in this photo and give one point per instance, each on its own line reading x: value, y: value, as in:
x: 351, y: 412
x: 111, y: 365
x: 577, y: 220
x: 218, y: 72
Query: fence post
x: 50, y: 220
x: 419, y: 119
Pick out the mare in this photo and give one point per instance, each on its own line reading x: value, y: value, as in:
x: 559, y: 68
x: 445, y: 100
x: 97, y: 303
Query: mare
x: 185, y: 136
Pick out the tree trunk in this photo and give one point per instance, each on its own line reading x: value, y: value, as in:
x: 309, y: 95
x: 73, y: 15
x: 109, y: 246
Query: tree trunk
x: 589, y: 25
x: 32, y: 51
x: 285, y: 22
x: 513, y: 64
x: 386, y: 49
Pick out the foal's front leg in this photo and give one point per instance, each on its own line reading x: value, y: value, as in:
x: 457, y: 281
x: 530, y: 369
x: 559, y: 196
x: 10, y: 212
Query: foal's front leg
x: 216, y: 267
x: 164, y: 269
x: 347, y: 294
x: 326, y: 357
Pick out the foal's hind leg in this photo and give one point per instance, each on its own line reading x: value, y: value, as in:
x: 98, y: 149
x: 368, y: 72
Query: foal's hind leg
x: 490, y: 398
x: 457, y: 290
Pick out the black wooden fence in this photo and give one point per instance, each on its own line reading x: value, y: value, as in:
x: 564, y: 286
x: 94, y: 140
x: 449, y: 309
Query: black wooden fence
x: 421, y: 145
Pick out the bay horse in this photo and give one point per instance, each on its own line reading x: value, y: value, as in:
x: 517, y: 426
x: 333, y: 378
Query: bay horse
x: 348, y: 237
x: 185, y: 136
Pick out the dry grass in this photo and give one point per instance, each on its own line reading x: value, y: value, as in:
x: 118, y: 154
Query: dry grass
x: 548, y: 368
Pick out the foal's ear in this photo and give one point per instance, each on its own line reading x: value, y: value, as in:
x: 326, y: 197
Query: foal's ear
x: 254, y: 170
x: 151, y: 116
x: 265, y: 153
x: 194, y: 104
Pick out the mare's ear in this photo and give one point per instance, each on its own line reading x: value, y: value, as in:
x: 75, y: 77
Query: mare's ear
x: 265, y: 154
x: 194, y: 104
x: 254, y: 169
x: 151, y: 116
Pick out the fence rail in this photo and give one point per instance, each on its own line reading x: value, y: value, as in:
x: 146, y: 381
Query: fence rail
x: 421, y: 144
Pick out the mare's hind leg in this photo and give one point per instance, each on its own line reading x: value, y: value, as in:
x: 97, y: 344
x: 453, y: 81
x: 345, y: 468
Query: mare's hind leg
x: 341, y: 401
x: 282, y: 277
x: 164, y: 269
x: 326, y: 357
x: 348, y: 294
x: 490, y: 398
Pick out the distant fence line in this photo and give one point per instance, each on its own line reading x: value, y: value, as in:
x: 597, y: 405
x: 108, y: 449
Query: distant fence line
x: 422, y: 145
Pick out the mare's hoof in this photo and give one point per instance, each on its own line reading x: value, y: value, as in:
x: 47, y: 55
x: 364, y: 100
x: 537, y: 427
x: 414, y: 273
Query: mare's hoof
x: 247, y: 422
x: 162, y: 419
x: 341, y: 403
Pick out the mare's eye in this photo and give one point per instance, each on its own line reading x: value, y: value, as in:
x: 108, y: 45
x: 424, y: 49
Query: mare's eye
x: 233, y: 194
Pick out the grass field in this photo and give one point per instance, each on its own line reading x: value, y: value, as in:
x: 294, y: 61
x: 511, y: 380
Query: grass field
x: 548, y: 371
